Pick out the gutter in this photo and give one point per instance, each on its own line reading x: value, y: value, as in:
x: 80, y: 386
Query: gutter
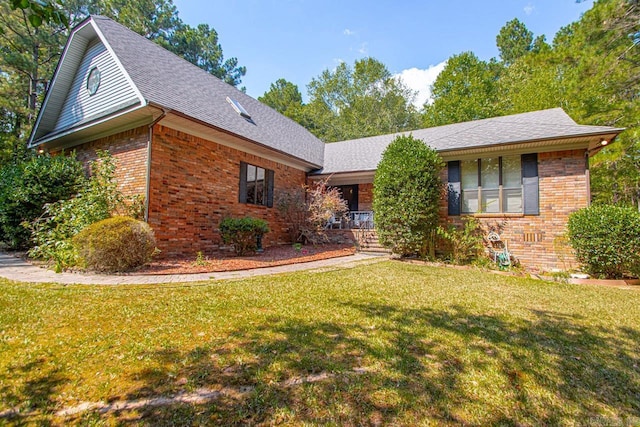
x: 148, y: 183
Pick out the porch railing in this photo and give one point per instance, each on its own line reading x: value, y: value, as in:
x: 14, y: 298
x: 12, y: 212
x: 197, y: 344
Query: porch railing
x: 363, y: 220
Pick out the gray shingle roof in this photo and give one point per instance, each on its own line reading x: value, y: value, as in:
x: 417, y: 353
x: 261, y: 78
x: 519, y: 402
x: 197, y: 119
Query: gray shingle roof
x: 365, y: 153
x: 171, y: 82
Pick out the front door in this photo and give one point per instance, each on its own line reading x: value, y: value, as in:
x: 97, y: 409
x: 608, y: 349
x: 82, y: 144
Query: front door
x: 350, y: 194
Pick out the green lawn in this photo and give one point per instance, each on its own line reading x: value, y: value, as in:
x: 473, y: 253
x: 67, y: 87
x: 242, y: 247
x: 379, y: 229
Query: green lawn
x: 389, y: 343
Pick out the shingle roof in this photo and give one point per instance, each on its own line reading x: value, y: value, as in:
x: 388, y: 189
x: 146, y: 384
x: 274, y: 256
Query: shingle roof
x: 173, y: 83
x: 365, y: 153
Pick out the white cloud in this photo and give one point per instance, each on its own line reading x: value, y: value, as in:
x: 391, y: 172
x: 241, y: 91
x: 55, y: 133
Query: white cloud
x: 347, y: 32
x: 363, y: 49
x: 420, y: 81
x: 528, y: 9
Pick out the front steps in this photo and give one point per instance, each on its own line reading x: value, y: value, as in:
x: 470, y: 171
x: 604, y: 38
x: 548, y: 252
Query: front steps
x: 367, y: 242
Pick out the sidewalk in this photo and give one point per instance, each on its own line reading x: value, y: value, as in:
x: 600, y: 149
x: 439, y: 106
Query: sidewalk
x: 17, y: 269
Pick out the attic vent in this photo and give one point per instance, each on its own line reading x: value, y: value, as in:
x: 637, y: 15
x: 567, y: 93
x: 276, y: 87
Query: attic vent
x: 239, y: 108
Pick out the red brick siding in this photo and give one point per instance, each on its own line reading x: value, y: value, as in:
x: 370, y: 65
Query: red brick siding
x: 129, y: 149
x: 537, y: 240
x: 365, y: 197
x: 194, y: 184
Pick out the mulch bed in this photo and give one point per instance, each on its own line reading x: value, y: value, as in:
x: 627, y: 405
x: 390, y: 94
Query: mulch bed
x: 271, y: 257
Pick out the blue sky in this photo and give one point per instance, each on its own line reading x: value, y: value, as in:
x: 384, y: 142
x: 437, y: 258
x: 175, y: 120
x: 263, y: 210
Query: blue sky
x: 298, y: 39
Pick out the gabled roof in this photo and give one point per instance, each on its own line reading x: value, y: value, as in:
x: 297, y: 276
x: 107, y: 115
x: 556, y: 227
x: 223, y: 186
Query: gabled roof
x: 545, y: 126
x: 169, y: 82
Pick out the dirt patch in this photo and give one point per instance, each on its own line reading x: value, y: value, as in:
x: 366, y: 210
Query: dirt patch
x: 271, y: 257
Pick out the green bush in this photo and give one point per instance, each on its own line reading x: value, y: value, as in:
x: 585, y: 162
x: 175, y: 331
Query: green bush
x: 606, y: 239
x: 115, y: 244
x: 98, y: 199
x: 27, y: 185
x: 406, y: 195
x: 242, y: 233
x: 465, y: 244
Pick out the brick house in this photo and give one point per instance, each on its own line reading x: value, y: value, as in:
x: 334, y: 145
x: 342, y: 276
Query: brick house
x: 198, y: 150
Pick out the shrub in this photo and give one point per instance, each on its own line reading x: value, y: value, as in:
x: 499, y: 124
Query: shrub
x: 52, y: 232
x: 27, y: 185
x: 465, y: 243
x: 242, y: 233
x: 292, y: 205
x: 323, y: 204
x: 406, y: 194
x: 308, y: 209
x: 115, y: 244
x: 606, y: 239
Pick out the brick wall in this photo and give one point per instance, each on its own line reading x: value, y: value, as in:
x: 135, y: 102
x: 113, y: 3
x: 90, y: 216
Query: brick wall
x: 365, y: 197
x: 129, y: 149
x: 537, y: 240
x: 194, y: 184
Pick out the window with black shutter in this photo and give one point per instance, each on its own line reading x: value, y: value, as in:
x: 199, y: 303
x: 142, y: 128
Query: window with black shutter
x: 503, y: 184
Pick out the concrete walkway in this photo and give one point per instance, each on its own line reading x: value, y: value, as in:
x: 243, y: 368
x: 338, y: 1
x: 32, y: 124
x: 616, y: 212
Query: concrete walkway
x: 17, y: 269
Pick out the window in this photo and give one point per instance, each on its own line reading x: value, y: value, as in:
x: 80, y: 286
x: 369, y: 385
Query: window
x: 506, y: 184
x: 256, y: 185
x: 238, y: 108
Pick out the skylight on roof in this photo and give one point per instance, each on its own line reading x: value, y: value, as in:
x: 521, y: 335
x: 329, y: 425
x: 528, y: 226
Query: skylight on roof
x: 239, y: 108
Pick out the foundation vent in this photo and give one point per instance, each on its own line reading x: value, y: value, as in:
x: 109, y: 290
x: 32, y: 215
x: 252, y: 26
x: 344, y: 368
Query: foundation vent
x: 533, y: 237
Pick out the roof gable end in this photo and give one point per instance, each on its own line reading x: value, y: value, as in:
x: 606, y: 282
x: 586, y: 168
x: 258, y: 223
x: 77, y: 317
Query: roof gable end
x: 69, y: 102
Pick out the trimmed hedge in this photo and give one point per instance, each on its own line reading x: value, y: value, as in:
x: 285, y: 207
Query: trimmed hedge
x: 115, y: 244
x: 606, y: 239
x: 242, y: 233
x: 406, y: 196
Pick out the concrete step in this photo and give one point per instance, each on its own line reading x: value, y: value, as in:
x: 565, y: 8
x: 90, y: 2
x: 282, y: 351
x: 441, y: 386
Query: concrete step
x: 369, y: 243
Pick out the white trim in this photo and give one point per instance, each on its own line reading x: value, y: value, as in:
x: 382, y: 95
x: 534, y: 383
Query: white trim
x: 52, y: 84
x: 99, y: 121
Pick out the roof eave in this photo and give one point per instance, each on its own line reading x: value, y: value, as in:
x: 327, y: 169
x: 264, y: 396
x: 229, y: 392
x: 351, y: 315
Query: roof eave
x: 57, y: 140
x: 552, y: 143
x: 307, y: 164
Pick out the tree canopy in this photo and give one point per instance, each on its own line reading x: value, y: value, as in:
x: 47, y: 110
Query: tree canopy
x: 514, y: 40
x: 284, y: 97
x: 465, y: 90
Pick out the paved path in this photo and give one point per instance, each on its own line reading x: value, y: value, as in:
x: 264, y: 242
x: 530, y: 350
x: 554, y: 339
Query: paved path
x: 17, y: 269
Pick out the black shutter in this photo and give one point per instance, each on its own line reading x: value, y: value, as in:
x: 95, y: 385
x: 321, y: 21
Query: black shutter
x: 242, y: 196
x: 530, y: 196
x: 270, y: 175
x: 454, y: 188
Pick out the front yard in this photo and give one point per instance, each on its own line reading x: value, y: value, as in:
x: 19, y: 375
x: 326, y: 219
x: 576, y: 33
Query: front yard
x: 389, y: 343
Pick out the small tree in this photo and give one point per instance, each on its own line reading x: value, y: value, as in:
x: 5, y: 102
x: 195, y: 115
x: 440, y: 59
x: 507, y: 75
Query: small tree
x: 292, y: 205
x: 323, y: 204
x: 406, y: 192
x: 308, y: 210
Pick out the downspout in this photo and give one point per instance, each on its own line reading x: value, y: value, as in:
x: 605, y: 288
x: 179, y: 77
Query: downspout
x: 587, y: 173
x: 148, y: 189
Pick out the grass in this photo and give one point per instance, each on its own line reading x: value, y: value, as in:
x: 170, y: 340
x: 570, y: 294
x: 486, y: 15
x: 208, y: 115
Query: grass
x: 389, y: 343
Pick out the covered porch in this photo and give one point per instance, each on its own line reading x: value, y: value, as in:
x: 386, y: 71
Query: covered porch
x: 359, y: 198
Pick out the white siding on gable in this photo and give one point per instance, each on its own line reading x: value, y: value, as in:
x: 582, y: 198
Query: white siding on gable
x: 114, y: 93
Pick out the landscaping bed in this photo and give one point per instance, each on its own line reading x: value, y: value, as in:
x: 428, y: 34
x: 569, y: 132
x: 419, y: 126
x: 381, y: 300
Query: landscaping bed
x: 271, y: 257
